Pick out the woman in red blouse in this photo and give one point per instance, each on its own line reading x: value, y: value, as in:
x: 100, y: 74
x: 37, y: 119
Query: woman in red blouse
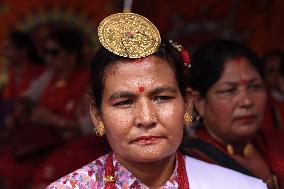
x: 230, y: 101
x: 22, y: 66
x: 55, y: 117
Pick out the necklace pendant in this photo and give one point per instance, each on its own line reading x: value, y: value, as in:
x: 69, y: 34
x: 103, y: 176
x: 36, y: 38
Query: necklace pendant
x: 109, y: 178
x: 230, y: 149
x: 248, y: 150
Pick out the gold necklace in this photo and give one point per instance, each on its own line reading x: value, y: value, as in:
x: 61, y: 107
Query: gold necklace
x: 248, y: 150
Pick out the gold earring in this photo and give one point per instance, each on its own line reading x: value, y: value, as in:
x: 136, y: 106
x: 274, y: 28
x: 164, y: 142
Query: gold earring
x: 187, y: 119
x: 100, y: 129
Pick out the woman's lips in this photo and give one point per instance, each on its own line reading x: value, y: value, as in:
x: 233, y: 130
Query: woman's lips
x: 146, y: 139
x: 246, y: 119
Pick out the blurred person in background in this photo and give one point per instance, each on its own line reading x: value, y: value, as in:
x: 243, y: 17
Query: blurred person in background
x: 69, y: 99
x: 272, y: 126
x: 273, y: 77
x: 230, y: 102
x: 23, y: 62
x: 53, y: 116
x: 22, y: 67
x: 271, y: 70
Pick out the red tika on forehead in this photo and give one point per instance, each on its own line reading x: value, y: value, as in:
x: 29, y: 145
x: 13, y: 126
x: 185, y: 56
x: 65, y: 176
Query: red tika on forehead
x: 137, y: 61
x: 239, y: 62
x: 141, y: 89
x: 244, y: 81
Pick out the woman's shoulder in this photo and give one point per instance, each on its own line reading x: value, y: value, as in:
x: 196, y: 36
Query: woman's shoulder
x: 89, y: 176
x: 203, y: 175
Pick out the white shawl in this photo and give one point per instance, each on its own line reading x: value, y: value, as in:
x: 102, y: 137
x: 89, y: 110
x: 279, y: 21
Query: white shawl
x: 202, y: 175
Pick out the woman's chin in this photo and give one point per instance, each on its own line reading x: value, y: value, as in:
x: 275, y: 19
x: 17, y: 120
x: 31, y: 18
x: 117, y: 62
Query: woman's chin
x: 147, y: 155
x: 246, y: 132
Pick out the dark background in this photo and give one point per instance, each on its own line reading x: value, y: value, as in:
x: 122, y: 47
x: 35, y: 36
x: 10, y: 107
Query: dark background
x: 257, y: 23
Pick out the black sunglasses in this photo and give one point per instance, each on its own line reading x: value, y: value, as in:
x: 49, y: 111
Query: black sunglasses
x: 52, y: 52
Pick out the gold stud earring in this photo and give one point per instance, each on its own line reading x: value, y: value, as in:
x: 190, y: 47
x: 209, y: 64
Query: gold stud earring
x: 100, y: 129
x: 187, y: 119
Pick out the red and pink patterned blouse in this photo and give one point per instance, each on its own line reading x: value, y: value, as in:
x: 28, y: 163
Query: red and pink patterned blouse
x: 92, y: 176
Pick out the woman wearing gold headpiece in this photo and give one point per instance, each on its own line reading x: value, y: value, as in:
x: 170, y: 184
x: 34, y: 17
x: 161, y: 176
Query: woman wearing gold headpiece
x: 230, y: 105
x: 141, y: 102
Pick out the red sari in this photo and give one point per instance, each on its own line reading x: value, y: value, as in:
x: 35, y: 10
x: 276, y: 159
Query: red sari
x: 61, y: 161
x: 273, y: 124
x: 60, y: 99
x: 62, y: 96
x: 19, y: 82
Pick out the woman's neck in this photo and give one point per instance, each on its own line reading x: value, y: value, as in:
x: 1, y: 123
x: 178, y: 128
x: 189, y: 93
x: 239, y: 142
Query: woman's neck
x: 237, y: 144
x: 63, y: 74
x: 153, y: 174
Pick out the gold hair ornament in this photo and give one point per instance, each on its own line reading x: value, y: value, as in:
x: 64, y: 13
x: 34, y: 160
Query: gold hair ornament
x: 129, y: 35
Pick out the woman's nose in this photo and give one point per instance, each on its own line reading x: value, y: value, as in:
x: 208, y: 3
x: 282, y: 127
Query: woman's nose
x: 146, y: 115
x: 245, y: 99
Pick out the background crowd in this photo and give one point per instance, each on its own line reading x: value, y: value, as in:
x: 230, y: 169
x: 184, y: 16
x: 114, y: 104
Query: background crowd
x: 45, y: 126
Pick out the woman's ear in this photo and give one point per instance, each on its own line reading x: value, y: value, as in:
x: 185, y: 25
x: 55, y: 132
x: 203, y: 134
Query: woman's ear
x: 95, y: 115
x: 199, y: 104
x: 189, y: 98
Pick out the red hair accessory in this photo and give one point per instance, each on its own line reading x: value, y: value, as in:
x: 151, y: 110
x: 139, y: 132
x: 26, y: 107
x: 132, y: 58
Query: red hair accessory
x: 185, y: 56
x: 183, y: 53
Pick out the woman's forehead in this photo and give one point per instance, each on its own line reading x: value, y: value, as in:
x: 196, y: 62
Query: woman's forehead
x: 144, y: 71
x: 238, y: 69
x: 140, y: 65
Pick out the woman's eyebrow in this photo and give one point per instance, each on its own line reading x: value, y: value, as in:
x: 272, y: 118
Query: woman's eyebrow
x: 127, y: 94
x: 236, y: 83
x: 163, y: 89
x: 121, y: 94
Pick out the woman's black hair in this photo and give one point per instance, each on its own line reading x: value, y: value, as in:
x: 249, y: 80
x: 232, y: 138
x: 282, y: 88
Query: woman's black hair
x: 23, y: 41
x: 71, y: 40
x: 104, y: 58
x: 207, y: 63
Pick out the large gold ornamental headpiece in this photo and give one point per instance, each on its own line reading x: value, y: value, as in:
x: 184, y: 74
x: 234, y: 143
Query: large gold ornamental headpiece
x: 129, y: 35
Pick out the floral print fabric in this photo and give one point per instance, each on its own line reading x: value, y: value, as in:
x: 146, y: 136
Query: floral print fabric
x: 92, y: 176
